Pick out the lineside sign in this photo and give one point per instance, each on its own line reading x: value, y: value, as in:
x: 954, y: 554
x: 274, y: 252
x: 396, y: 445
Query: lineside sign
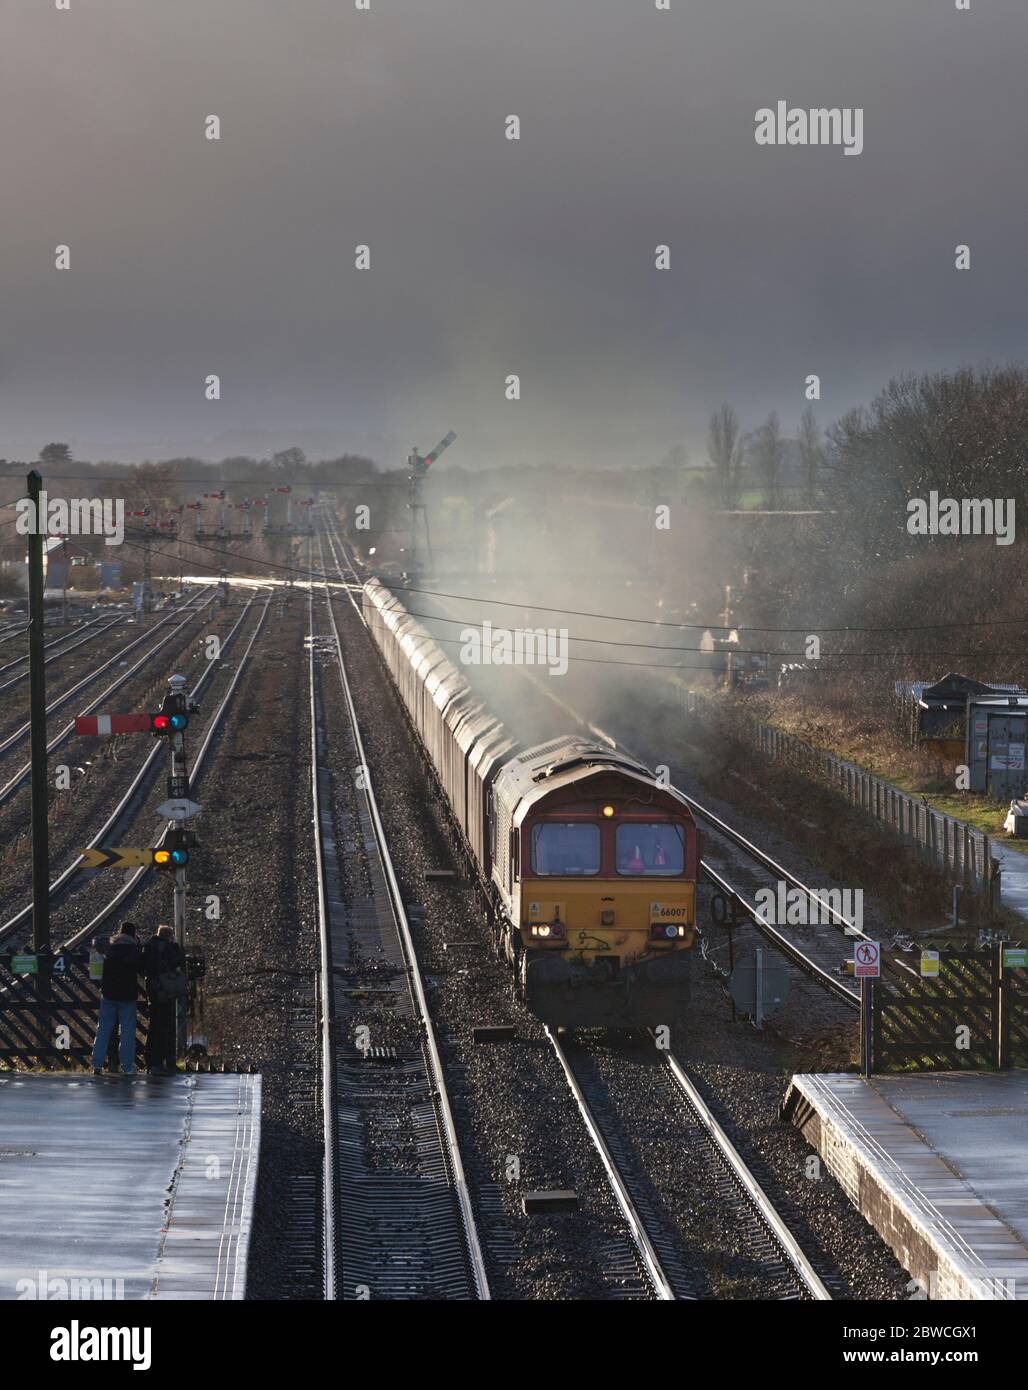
x: 867, y: 960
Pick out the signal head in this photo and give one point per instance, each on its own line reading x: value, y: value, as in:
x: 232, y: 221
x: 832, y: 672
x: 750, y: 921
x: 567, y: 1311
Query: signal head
x: 168, y: 723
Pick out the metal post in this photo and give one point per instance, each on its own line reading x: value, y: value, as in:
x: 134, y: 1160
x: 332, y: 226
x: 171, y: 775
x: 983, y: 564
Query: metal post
x: 758, y: 988
x: 866, y: 1025
x: 37, y: 727
x: 178, y: 786
x: 1000, y: 1050
x: 64, y: 590
x: 146, y: 573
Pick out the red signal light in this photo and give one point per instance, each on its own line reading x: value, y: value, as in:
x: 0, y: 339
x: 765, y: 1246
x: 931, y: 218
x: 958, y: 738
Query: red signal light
x: 160, y: 722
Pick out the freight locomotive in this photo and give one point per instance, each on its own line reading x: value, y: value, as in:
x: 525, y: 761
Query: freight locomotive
x: 589, y: 864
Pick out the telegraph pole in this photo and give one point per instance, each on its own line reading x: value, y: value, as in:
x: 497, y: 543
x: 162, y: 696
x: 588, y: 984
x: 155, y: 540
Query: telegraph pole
x: 37, y: 729
x: 146, y: 572
x: 64, y: 587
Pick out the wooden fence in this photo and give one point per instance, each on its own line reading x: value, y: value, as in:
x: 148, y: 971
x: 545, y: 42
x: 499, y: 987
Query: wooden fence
x: 48, y: 1018
x: 972, y: 1015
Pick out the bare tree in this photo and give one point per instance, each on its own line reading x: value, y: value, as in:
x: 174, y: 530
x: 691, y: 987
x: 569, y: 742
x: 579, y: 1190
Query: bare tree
x: 725, y: 447
x: 768, y: 450
x: 811, y: 456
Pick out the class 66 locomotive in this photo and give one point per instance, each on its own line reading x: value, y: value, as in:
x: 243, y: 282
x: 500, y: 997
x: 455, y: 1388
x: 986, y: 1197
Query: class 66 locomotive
x: 588, y: 860
x: 594, y: 864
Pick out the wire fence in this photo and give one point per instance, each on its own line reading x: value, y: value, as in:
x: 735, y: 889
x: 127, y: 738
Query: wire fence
x: 960, y: 851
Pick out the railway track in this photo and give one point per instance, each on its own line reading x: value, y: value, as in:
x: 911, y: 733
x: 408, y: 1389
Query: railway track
x: 186, y: 615
x: 406, y: 1229
x: 773, y: 1258
x: 131, y: 803
x: 93, y: 629
x: 135, y: 878
x: 664, y: 1265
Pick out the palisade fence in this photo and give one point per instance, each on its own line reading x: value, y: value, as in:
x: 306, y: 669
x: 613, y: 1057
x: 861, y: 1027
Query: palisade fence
x: 956, y: 848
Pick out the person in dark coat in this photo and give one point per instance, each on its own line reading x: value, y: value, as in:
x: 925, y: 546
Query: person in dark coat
x: 119, y: 994
x: 162, y: 956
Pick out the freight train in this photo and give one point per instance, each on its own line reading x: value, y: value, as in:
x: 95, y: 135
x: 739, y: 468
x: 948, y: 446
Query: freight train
x: 589, y: 864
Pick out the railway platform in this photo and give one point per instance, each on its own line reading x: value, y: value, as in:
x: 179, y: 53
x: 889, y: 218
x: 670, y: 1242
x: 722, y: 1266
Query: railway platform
x: 937, y: 1163
x: 127, y: 1187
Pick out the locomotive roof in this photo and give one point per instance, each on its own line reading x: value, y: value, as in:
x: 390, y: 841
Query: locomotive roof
x: 525, y: 778
x: 531, y: 776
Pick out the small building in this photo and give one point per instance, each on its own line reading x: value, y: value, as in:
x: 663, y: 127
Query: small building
x: 939, y: 711
x: 997, y: 731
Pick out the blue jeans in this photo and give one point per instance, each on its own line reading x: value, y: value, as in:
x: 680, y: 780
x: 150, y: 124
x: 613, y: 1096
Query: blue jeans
x: 112, y: 1012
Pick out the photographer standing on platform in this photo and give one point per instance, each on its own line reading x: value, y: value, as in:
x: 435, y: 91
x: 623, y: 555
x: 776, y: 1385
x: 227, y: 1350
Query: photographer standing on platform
x: 165, y: 965
x: 119, y: 993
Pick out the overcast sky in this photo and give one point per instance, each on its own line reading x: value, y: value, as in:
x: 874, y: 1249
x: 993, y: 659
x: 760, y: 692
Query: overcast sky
x: 488, y: 256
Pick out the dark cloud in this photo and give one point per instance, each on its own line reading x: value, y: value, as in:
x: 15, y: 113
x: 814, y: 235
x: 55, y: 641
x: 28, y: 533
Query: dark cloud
x: 490, y: 257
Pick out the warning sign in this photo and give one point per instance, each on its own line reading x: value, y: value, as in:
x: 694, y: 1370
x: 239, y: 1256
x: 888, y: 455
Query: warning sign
x: 867, y: 960
x: 929, y: 963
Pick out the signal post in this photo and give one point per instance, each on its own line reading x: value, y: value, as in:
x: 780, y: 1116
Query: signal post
x: 172, y: 855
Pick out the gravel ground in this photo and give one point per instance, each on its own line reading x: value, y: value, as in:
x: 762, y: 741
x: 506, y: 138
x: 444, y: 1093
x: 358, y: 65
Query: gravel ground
x: 65, y: 665
x: 261, y: 952
x: 710, y: 1241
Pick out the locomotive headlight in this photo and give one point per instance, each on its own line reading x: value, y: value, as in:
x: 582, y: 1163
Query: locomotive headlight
x: 608, y: 811
x: 671, y: 930
x: 540, y: 929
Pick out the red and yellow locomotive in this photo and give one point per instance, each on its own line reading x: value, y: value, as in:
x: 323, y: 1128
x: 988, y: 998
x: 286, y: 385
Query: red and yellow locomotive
x: 594, y: 865
x: 589, y: 862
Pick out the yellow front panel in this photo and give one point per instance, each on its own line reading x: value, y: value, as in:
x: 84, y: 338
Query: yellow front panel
x: 582, y: 904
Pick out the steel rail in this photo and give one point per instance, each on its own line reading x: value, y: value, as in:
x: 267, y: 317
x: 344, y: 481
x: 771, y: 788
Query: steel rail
x: 782, y: 943
x: 763, y: 1204
x: 11, y: 739
x: 415, y: 982
x: 134, y: 876
x: 11, y: 786
x: 643, y: 1244
x: 60, y: 883
x: 326, y: 999
x: 65, y: 637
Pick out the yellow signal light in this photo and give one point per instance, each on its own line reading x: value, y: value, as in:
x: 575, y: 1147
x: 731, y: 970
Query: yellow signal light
x: 162, y: 856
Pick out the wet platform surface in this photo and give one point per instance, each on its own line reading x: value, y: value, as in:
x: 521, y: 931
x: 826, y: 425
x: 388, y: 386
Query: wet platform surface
x: 135, y: 1188
x: 938, y: 1163
x: 1014, y: 884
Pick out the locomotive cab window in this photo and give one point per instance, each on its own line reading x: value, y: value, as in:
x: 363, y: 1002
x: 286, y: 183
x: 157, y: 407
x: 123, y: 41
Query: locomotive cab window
x: 651, y: 850
x: 562, y: 849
